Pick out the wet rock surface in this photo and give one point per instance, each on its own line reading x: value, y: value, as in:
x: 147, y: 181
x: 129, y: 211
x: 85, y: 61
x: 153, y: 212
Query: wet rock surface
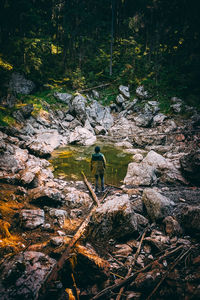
x: 149, y: 225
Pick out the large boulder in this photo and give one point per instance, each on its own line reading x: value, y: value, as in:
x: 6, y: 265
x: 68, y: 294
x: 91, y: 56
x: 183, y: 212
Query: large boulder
x: 42, y: 144
x: 140, y: 174
x: 116, y: 219
x: 190, y: 166
x: 20, y: 85
x: 77, y: 107
x: 22, y: 276
x: 99, y: 115
x: 46, y: 196
x: 189, y: 217
x: 157, y: 205
x: 13, y: 159
x: 76, y: 199
x: 82, y: 136
x: 168, y: 172
x: 64, y: 97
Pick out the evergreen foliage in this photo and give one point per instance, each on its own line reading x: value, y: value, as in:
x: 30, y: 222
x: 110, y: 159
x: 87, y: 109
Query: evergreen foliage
x: 155, y: 43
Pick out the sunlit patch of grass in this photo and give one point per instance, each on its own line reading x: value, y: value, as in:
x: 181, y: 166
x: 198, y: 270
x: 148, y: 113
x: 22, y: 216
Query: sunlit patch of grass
x: 5, y: 118
x: 65, y: 154
x: 12, y: 244
x: 8, y: 209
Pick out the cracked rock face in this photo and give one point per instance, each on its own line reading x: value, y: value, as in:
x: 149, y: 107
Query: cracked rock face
x: 23, y: 275
x: 157, y: 205
x: 115, y: 219
x: 32, y: 218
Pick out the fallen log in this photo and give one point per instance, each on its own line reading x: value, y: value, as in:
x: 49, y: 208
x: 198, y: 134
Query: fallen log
x: 95, y: 87
x: 133, y: 263
x: 178, y: 259
x: 94, y: 197
x: 53, y: 276
x: 134, y: 275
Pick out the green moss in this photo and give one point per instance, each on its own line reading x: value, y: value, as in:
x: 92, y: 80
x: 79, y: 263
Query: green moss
x: 5, y: 117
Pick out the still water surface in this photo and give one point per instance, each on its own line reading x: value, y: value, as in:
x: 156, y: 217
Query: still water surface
x: 68, y: 162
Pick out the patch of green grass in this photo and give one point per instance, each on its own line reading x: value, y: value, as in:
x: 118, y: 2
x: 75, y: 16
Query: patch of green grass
x: 108, y: 95
x: 5, y: 118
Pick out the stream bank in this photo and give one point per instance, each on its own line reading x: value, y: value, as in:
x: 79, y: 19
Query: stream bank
x: 159, y: 196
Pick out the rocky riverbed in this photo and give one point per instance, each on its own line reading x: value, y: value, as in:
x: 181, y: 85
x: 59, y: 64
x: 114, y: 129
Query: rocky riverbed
x: 141, y: 241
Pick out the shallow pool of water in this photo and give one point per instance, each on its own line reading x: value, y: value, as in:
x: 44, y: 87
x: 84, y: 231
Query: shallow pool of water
x: 68, y: 162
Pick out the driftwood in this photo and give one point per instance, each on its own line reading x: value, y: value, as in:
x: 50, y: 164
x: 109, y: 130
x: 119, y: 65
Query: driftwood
x: 134, y: 275
x: 179, y: 258
x: 133, y: 263
x: 95, y: 87
x: 66, y: 254
x: 94, y: 197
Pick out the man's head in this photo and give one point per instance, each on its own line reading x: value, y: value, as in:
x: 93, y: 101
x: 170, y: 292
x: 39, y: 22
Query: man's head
x: 97, y: 149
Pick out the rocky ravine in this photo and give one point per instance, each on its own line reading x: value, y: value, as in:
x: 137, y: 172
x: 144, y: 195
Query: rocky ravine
x: 158, y: 202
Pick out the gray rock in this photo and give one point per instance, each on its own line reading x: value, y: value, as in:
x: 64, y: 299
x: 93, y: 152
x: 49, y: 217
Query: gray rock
x: 39, y: 149
x: 124, y: 144
x: 140, y: 174
x: 82, y: 136
x: 123, y: 127
x: 144, y: 120
x: 23, y: 113
x: 28, y: 129
x: 190, y: 166
x: 13, y: 160
x: 95, y: 94
x: 64, y: 97
x: 69, y: 118
x: 100, y: 130
x: 88, y: 126
x: 32, y: 218
x: 59, y: 216
x: 141, y: 93
x: 19, y: 85
x: 157, y: 205
x: 169, y: 172
x: 138, y: 157
x: 115, y: 219
x: 151, y: 107
x: 120, y: 99
x: 124, y: 90
x: 23, y: 275
x: 46, y: 196
x: 99, y: 115
x: 28, y: 175
x: 76, y: 199
x: 189, y: 217
x: 77, y: 107
x: 159, y: 119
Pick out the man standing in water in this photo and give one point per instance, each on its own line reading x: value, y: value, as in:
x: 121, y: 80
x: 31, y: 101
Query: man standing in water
x: 98, y: 165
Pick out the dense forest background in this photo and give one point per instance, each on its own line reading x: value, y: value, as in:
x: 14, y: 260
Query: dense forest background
x: 82, y: 43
